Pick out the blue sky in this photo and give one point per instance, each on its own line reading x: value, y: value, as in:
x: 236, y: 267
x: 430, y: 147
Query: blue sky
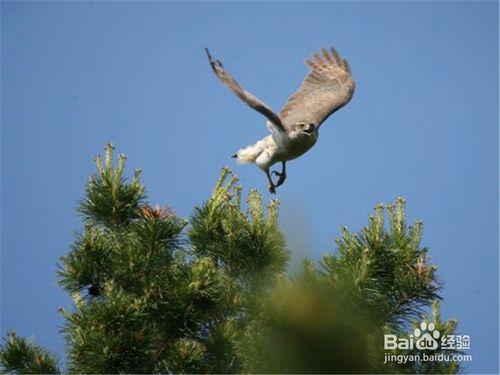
x: 423, y: 123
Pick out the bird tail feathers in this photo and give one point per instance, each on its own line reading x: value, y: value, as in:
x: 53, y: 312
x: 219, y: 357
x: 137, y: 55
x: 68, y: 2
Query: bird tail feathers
x: 249, y: 154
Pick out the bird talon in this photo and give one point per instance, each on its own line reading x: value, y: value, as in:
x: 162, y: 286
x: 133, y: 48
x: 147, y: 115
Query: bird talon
x: 281, y: 179
x: 276, y: 173
x: 272, y: 189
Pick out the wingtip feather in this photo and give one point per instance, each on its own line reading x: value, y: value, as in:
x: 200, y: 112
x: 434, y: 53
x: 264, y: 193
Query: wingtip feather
x: 336, y: 56
x: 327, y: 56
x: 345, y: 65
x: 209, y: 55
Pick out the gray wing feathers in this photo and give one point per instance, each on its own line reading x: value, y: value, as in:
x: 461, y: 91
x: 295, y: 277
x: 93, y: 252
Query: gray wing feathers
x: 328, y: 87
x: 244, y: 95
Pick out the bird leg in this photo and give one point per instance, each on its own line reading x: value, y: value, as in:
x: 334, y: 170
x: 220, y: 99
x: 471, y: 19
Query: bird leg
x: 282, y: 174
x: 272, y: 187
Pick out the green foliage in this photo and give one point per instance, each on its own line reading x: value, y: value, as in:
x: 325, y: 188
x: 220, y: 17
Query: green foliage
x: 445, y: 328
x: 384, y: 270
x: 332, y: 319
x: 154, y: 293
x: 144, y: 301
x: 111, y: 201
x: 245, y: 244
x: 24, y: 357
x: 303, y: 326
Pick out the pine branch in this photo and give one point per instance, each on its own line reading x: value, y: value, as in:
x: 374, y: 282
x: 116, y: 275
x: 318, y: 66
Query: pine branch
x: 20, y: 356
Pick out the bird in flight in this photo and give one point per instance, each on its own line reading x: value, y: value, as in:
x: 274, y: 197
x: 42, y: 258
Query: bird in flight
x: 327, y: 87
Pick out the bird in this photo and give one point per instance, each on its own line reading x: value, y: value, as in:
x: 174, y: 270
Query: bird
x: 327, y: 87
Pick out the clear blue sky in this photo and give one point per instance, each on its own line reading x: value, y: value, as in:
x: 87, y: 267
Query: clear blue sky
x: 423, y: 124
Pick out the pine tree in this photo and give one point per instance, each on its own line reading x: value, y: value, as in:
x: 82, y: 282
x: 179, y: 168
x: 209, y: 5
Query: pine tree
x: 155, y: 293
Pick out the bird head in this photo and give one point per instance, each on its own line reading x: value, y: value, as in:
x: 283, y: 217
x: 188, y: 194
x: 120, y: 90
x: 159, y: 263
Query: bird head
x: 304, y: 128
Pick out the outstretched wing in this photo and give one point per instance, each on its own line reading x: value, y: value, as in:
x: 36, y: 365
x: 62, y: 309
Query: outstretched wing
x: 328, y: 87
x: 244, y: 95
